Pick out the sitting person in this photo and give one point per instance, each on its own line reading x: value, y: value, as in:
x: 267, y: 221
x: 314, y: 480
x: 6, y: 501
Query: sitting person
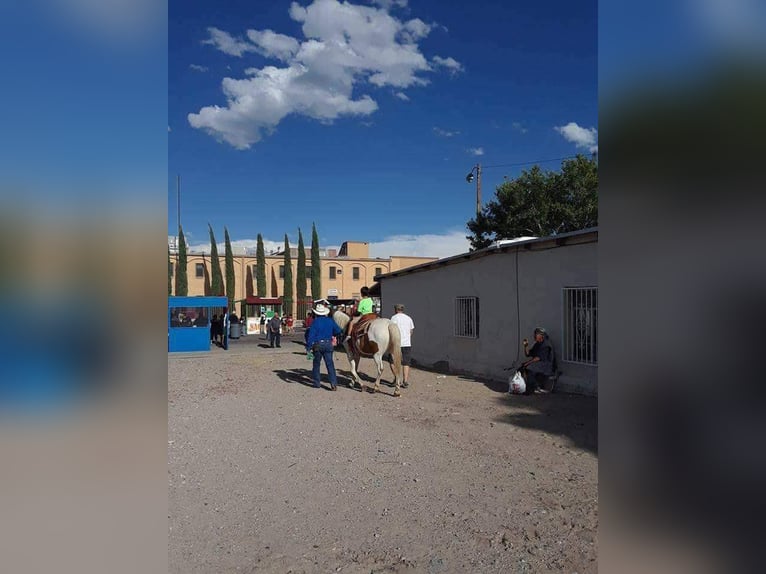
x: 365, y: 306
x: 541, y: 363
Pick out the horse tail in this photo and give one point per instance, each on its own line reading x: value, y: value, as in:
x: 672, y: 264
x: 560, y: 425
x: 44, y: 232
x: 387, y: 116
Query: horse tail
x: 395, y: 348
x: 341, y: 319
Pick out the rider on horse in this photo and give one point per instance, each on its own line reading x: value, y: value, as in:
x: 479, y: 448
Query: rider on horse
x: 364, y: 307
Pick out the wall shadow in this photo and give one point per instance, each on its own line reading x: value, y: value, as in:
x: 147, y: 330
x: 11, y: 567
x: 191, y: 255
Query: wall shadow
x: 574, y: 417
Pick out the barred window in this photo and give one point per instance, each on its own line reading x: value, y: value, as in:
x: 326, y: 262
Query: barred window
x: 199, y: 270
x: 467, y: 317
x: 356, y: 273
x: 281, y: 271
x: 580, y: 344
x: 378, y: 271
x: 332, y: 272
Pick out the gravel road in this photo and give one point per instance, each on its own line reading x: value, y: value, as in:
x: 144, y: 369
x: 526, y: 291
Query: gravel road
x: 266, y: 474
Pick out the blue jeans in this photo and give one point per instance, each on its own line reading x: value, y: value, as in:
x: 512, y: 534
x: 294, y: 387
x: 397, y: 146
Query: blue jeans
x: 324, y: 350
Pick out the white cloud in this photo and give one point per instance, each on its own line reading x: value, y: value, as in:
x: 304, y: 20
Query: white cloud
x: 402, y: 96
x: 445, y: 133
x: 451, y: 64
x: 428, y: 245
x: 347, y: 47
x: 169, y: 130
x: 238, y: 247
x: 475, y: 150
x: 519, y: 127
x: 198, y: 68
x: 388, y: 4
x: 274, y: 45
x: 582, y: 137
x: 227, y: 43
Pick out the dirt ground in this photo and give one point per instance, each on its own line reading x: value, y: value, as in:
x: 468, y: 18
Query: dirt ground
x: 266, y: 474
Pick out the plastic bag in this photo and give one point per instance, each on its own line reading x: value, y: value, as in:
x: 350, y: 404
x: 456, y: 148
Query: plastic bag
x: 516, y: 384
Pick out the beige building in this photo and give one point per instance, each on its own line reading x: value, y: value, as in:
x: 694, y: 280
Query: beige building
x: 344, y: 271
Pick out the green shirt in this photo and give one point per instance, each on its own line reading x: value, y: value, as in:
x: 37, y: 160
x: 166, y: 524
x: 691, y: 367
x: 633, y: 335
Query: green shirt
x: 365, y: 306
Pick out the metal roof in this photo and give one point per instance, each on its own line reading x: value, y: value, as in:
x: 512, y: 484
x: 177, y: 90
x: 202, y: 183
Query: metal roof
x: 559, y: 241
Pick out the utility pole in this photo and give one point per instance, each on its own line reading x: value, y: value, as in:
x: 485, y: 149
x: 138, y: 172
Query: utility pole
x: 469, y: 179
x: 478, y: 189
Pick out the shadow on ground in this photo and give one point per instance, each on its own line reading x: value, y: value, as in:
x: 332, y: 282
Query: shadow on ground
x: 574, y: 417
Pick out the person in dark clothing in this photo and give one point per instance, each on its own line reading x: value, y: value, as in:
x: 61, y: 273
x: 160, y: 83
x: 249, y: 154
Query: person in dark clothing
x: 274, y: 326
x: 540, y: 364
x: 319, y: 339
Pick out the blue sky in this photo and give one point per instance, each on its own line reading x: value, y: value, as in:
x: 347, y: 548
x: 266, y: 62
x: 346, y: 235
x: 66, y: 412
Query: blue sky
x: 365, y: 117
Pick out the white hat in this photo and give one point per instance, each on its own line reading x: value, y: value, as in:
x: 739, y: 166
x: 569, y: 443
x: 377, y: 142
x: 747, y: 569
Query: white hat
x: 321, y: 309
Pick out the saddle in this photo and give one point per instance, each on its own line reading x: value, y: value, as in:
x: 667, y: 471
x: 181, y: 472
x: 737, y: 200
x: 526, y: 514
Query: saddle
x: 359, y: 340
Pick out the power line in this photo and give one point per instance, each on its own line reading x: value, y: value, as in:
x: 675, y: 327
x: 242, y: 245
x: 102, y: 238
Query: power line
x: 530, y: 162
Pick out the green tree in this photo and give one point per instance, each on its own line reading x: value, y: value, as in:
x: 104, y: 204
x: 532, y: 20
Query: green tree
x: 182, y: 282
x: 260, y: 268
x: 316, y: 265
x: 170, y: 274
x: 216, y: 278
x: 287, y: 291
x: 300, y: 278
x: 540, y: 203
x: 229, y: 264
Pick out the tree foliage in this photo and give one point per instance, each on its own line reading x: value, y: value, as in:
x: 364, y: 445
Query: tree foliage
x: 170, y: 274
x: 300, y: 278
x: 316, y: 265
x: 260, y: 268
x: 216, y: 284
x: 229, y: 264
x: 540, y: 203
x: 182, y: 281
x: 287, y: 291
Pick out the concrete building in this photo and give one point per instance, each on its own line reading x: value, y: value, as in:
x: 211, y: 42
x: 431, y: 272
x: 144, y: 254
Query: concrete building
x: 344, y: 271
x: 471, y: 311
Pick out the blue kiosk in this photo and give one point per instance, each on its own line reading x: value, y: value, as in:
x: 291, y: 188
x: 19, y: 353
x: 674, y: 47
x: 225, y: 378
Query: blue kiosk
x: 189, y: 322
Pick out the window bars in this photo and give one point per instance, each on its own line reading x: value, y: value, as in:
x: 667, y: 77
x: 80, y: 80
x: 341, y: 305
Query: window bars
x: 580, y: 344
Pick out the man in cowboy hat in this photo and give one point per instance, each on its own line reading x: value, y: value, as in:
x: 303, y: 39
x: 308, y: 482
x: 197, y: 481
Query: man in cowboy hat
x: 319, y: 340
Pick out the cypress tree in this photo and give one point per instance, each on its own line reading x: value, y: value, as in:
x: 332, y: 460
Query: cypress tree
x: 316, y: 265
x: 170, y: 275
x: 182, y: 282
x: 229, y: 263
x: 260, y: 268
x: 216, y: 281
x: 287, y: 292
x: 300, y: 278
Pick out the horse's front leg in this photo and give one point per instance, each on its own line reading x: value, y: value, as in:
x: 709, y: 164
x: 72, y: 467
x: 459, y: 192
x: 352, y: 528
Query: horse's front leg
x: 354, y: 374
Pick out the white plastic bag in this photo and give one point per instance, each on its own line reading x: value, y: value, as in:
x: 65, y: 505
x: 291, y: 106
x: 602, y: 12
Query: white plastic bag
x: 516, y: 384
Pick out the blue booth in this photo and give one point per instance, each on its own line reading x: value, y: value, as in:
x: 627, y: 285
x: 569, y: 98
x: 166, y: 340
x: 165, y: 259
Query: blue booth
x: 189, y: 322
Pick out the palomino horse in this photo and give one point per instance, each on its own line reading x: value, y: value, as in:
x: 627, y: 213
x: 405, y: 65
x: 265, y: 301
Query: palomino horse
x: 372, y: 338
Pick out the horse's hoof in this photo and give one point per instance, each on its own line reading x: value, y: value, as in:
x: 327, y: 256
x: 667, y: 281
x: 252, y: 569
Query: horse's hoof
x: 397, y: 394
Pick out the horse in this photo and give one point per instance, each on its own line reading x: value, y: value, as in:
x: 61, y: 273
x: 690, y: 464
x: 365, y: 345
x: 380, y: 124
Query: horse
x: 382, y: 337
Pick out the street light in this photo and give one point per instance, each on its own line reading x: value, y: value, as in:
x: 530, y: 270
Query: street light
x: 469, y: 179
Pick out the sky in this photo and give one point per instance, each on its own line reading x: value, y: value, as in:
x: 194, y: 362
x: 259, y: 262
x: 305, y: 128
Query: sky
x: 364, y: 117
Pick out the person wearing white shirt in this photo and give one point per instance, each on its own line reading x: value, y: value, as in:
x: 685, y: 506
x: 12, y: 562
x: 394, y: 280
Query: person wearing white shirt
x: 406, y: 326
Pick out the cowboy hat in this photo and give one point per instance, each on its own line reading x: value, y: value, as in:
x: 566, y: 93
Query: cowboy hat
x: 321, y: 309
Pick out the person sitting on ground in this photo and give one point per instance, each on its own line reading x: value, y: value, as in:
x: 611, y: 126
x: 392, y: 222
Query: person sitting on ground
x: 363, y: 308
x: 541, y: 362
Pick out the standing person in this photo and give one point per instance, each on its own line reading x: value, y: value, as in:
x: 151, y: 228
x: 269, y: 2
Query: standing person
x: 289, y: 324
x: 363, y: 308
x: 225, y: 329
x: 406, y: 327
x: 274, y: 327
x: 541, y: 363
x: 263, y: 323
x: 319, y: 340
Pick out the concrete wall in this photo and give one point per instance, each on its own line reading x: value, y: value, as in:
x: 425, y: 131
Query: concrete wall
x: 543, y: 270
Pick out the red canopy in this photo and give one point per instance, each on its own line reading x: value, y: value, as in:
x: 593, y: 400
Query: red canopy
x: 263, y: 300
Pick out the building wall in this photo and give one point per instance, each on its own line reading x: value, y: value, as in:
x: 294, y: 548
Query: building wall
x: 429, y: 298
x: 344, y: 284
